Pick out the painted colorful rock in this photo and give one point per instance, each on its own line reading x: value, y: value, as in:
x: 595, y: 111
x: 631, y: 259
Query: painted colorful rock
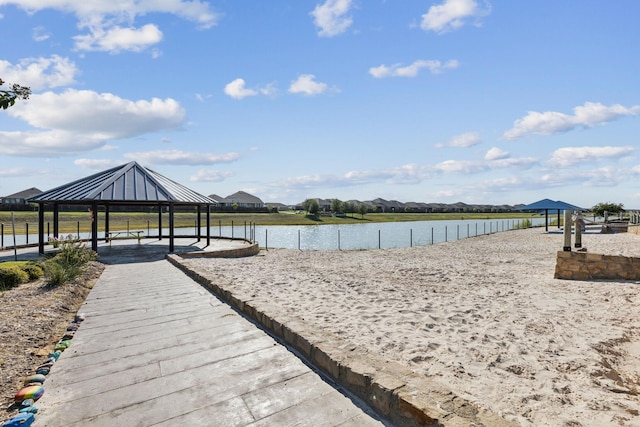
x: 37, y: 378
x: 63, y: 345
x: 43, y: 370
x: 34, y: 392
x: 55, y: 354
x: 26, y: 403
x: 28, y: 410
x: 20, y: 420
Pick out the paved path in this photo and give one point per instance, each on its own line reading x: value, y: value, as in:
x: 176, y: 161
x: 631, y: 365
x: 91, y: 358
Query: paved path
x: 156, y: 349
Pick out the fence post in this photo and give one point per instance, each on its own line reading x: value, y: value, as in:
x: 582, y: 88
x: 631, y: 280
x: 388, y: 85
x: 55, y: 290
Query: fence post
x: 245, y: 230
x: 78, y: 227
x: 339, y: 240
x: 484, y: 230
x: 47, y: 230
x: 147, y: 228
x: 298, y: 239
x: 378, y: 238
x: 411, y: 237
x: 232, y: 229
x: 457, y: 231
x: 2, y: 235
x: 219, y: 228
x: 432, y: 235
x: 446, y: 232
x: 467, y: 230
x: 26, y: 226
x: 266, y: 239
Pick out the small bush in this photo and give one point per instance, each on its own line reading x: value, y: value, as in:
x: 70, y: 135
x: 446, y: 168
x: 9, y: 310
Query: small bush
x: 55, y: 274
x: 33, y: 270
x: 526, y: 223
x: 11, y: 277
x: 68, y: 263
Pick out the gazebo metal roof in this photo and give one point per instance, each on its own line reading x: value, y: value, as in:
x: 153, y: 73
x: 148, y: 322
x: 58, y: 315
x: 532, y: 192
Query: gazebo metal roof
x: 130, y: 184
x: 547, y: 205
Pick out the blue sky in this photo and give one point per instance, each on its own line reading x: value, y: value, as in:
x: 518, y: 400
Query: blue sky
x: 499, y: 102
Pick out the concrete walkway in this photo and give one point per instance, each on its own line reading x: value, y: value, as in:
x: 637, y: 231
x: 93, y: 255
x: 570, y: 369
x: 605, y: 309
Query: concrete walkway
x: 156, y: 349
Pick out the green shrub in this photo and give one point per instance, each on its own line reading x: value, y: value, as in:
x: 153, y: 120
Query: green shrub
x: 68, y: 263
x: 33, y: 270
x: 55, y: 274
x: 11, y: 277
x: 525, y: 223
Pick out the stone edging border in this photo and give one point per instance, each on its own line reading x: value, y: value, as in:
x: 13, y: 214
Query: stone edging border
x: 394, y: 391
x: 251, y: 250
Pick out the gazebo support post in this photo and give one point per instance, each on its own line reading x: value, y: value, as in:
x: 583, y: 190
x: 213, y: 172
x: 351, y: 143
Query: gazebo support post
x: 546, y: 220
x: 106, y: 223
x: 159, y: 222
x: 208, y: 225
x: 41, y: 228
x: 94, y: 227
x: 199, y: 221
x: 559, y: 218
x: 55, y: 220
x: 171, y: 224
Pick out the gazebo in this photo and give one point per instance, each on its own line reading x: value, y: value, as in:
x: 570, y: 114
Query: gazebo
x: 127, y: 185
x: 547, y: 205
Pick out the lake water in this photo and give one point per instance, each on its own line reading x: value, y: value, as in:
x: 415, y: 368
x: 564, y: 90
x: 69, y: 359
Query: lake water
x: 344, y: 236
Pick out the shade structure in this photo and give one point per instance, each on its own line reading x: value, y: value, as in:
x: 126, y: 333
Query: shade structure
x: 129, y: 184
x: 547, y: 205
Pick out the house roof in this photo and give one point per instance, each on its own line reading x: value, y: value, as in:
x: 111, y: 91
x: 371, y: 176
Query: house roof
x: 242, y: 197
x: 24, y: 194
x: 129, y: 183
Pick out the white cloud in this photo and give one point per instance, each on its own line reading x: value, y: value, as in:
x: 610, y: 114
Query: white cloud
x: 412, y: 70
x: 331, y: 17
x: 100, y: 114
x: 116, y: 39
x: 451, y: 14
x: 571, y: 155
x: 104, y: 19
x: 464, y: 140
x: 496, y: 153
x: 76, y: 121
x: 40, y: 34
x: 501, y: 161
x: 461, y: 166
x: 210, y: 176
x: 306, y: 85
x: 179, y: 157
x: 40, y: 73
x: 551, y: 122
x: 236, y: 89
x: 54, y: 143
x: 97, y: 164
x: 14, y: 172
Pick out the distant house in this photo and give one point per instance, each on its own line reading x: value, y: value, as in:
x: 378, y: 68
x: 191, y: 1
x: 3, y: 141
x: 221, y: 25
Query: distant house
x: 242, y: 200
x: 21, y: 197
x: 216, y: 198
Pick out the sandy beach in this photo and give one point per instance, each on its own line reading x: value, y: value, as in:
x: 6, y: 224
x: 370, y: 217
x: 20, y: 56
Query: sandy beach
x: 483, y: 316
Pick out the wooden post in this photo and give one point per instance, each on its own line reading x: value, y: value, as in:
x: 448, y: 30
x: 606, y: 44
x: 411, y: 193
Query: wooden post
x: 578, y: 224
x: 567, y: 231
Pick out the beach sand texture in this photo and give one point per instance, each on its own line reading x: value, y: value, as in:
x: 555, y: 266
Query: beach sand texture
x: 483, y: 316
